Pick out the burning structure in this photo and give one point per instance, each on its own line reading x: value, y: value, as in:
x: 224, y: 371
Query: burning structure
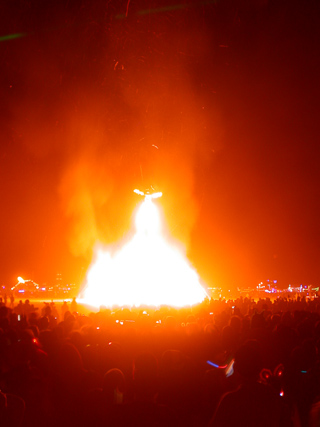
x: 27, y: 288
x: 148, y: 269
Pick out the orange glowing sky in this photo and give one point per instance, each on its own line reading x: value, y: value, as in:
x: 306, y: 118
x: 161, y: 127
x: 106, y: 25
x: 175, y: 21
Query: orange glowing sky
x: 215, y: 104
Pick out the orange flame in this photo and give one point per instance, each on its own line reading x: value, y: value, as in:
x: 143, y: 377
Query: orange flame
x: 147, y: 270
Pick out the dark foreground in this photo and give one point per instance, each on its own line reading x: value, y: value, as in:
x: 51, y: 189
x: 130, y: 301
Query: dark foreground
x: 221, y: 363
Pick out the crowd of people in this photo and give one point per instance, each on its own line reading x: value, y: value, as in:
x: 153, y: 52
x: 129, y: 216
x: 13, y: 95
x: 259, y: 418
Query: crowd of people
x: 221, y: 363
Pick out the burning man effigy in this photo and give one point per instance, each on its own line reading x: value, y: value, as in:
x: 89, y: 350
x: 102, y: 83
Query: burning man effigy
x: 147, y: 270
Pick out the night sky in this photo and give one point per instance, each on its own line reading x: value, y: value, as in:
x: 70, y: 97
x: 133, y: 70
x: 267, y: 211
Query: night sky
x: 214, y: 103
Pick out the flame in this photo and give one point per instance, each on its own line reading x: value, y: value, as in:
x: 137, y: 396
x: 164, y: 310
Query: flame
x: 147, y: 270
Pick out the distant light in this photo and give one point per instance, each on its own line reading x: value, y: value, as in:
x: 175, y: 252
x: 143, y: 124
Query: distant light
x: 43, y: 289
x: 21, y: 291
x: 281, y: 393
x: 98, y: 327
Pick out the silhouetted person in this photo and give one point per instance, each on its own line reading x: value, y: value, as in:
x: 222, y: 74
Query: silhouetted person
x: 104, y: 405
x: 54, y: 311
x: 253, y: 403
x: 74, y: 306
x: 113, y: 386
x: 64, y: 308
x: 12, y: 410
x: 177, y: 384
x: 144, y: 411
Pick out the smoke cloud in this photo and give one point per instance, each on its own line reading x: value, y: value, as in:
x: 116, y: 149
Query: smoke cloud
x: 112, y: 105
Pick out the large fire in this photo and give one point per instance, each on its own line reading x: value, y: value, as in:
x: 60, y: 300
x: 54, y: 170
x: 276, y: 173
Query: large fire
x: 147, y: 270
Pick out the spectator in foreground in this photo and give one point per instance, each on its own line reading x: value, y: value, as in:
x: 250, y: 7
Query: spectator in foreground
x: 253, y: 403
x: 12, y: 410
x: 144, y: 411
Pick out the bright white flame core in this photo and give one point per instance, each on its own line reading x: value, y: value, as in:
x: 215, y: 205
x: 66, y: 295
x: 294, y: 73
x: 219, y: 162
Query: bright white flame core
x: 148, y: 218
x: 148, y: 270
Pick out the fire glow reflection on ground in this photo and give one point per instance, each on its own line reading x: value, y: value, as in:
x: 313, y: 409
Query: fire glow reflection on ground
x: 147, y: 270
